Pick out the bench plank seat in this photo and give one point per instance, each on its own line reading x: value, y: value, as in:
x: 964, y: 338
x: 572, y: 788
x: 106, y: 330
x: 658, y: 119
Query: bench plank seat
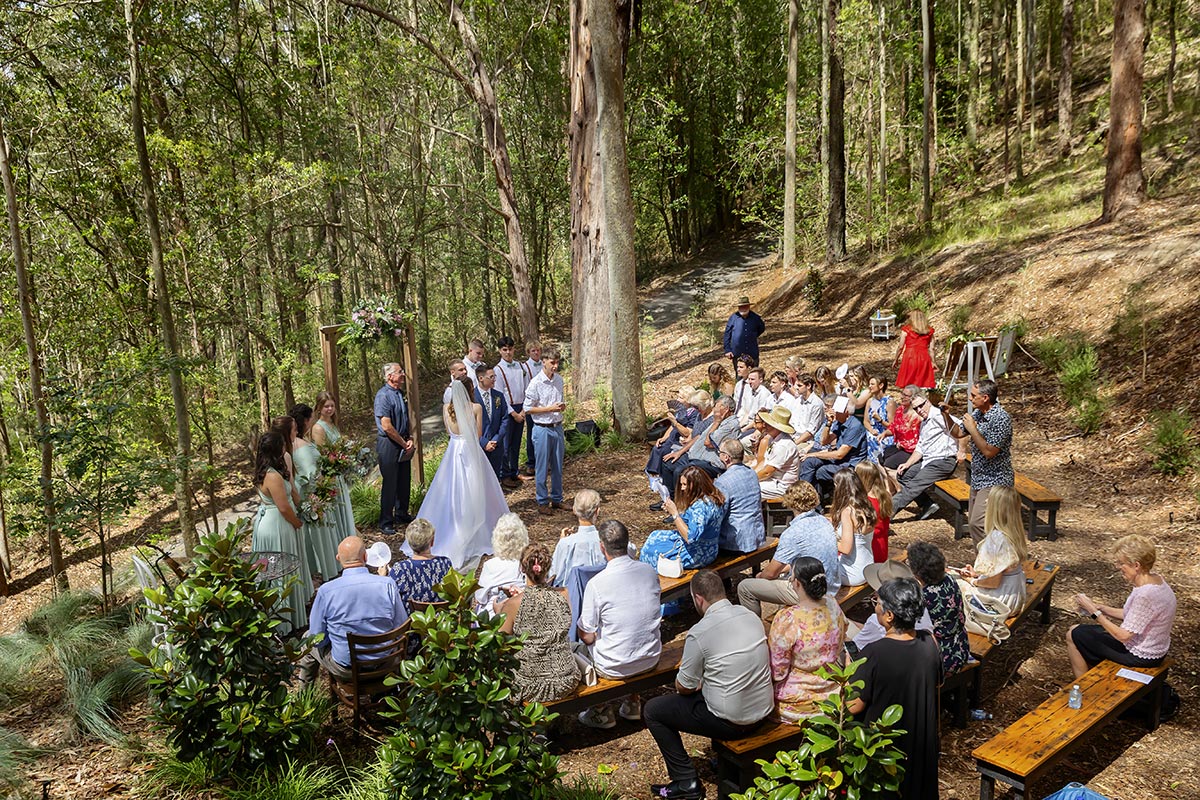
x: 607, y: 689
x: 1024, y: 751
x: 850, y: 596
x: 736, y: 769
x: 955, y: 494
x: 676, y: 588
x: 1037, y: 596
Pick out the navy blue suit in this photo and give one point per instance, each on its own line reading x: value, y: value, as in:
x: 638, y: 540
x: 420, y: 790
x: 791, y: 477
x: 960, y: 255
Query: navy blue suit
x: 495, y: 426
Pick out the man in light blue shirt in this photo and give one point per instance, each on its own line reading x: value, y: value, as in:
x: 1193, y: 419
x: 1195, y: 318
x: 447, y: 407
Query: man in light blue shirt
x: 358, y: 602
x: 742, y: 530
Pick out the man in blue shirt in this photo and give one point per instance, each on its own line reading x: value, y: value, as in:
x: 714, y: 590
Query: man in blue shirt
x: 742, y: 530
x: 742, y: 332
x: 358, y: 602
x: 844, y: 443
x: 395, y: 447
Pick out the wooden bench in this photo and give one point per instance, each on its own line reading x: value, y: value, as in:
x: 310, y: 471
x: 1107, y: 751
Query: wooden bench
x: 955, y: 495
x: 1026, y: 750
x: 1037, y: 498
x: 1037, y: 597
x: 850, y: 596
x: 736, y: 767
x: 607, y: 690
x: 677, y: 588
x: 776, y: 515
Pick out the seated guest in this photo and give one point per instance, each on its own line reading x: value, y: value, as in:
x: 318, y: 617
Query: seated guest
x: 905, y: 429
x: 415, y: 577
x: 781, y: 390
x: 780, y: 467
x: 379, y: 558
x: 944, y: 604
x: 808, y: 410
x: 680, y: 425
x: 934, y: 458
x: 720, y: 383
x: 722, y: 691
x: 877, y: 483
x: 501, y: 575
x: 1137, y: 634
x: 358, y: 601
x: 579, y: 547
x: 904, y: 668
x: 805, y: 637
x: 846, y: 441
x: 880, y: 412
x: 872, y: 630
x: 697, y: 532
x: 858, y: 390
x: 546, y: 668
x: 809, y: 534
x: 853, y: 517
x: 826, y: 381
x: 620, y: 618
x: 705, y: 419
x: 702, y: 453
x: 997, y: 573
x: 742, y: 528
x: 793, y: 367
x: 750, y: 397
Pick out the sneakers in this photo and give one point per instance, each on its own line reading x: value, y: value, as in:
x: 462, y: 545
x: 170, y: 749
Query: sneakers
x: 929, y: 512
x: 598, y: 717
x: 631, y: 710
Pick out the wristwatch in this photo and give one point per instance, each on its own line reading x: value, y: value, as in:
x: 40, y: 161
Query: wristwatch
x: 1097, y: 614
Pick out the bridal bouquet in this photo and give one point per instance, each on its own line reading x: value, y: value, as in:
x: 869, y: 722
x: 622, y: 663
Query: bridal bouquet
x: 319, y: 501
x: 339, y: 459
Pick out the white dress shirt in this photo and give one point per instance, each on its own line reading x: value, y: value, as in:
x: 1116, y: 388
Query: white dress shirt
x: 621, y: 606
x: 512, y: 377
x: 541, y: 392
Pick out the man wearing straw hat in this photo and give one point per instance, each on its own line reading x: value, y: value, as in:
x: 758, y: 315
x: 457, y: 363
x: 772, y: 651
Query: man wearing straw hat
x: 742, y: 332
x: 781, y: 467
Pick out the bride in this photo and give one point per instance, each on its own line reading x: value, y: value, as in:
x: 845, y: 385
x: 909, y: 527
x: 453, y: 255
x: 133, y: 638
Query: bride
x: 465, y: 500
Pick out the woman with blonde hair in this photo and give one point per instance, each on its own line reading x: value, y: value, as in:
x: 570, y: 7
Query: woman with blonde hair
x: 853, y: 518
x: 997, y: 573
x: 879, y: 491
x: 324, y: 431
x: 793, y: 367
x: 914, y: 352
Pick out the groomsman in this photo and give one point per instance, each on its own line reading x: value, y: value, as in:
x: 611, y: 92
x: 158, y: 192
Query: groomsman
x: 458, y: 371
x: 495, y: 417
x: 512, y: 377
x: 473, y: 360
x: 534, y: 362
x: 395, y: 448
x: 544, y: 404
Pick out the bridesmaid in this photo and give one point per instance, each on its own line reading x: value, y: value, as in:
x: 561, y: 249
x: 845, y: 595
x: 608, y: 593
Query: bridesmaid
x: 276, y: 526
x: 315, y: 536
x: 325, y: 431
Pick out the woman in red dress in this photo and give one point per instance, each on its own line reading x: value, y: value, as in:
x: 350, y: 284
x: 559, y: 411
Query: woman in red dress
x: 914, y: 353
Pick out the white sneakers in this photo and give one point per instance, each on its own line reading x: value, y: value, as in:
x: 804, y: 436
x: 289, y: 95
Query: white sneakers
x: 602, y: 716
x: 631, y: 709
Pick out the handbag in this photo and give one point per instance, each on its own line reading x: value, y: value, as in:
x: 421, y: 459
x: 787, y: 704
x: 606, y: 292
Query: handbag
x: 986, y: 616
x: 587, y: 670
x: 669, y: 567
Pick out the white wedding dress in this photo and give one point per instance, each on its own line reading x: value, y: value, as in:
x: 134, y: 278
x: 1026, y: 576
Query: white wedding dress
x: 465, y: 499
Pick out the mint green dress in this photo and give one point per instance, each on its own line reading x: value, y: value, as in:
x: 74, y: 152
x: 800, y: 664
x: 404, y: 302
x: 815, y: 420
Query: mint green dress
x: 317, y: 538
x: 342, y: 515
x: 274, y: 533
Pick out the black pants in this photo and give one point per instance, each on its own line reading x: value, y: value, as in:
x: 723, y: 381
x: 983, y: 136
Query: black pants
x: 397, y: 483
x: 668, y: 715
x: 669, y: 471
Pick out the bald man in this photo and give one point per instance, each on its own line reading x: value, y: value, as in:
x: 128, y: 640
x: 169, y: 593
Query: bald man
x: 357, y: 602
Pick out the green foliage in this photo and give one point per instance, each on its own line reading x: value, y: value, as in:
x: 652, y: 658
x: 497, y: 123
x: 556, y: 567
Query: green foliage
x: 907, y: 302
x: 219, y: 677
x: 1079, y: 376
x: 1077, y: 367
x: 579, y: 444
x: 613, y: 441
x: 364, y: 501
x: 959, y: 317
x: 814, y: 289
x: 840, y: 756
x: 15, y: 757
x: 459, y: 733
x: 1136, y: 324
x: 70, y: 649
x: 584, y: 787
x: 1019, y: 327
x: 1054, y: 351
x: 1174, y: 443
x: 293, y: 781
x: 1089, y: 415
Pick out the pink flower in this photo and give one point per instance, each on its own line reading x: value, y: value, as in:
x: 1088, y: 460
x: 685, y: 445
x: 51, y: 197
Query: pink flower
x: 398, y: 332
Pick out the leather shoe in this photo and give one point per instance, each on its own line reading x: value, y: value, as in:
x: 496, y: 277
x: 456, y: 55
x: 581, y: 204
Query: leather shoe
x: 557, y: 504
x: 510, y: 483
x: 388, y: 531
x: 656, y: 506
x: 404, y: 519
x: 545, y: 511
x: 678, y: 790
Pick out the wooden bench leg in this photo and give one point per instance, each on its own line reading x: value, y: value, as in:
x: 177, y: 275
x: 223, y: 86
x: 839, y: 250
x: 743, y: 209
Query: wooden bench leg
x: 987, y: 787
x: 960, y: 524
x: 729, y: 776
x: 1052, y: 517
x: 1044, y: 605
x: 1156, y: 706
x: 962, y: 699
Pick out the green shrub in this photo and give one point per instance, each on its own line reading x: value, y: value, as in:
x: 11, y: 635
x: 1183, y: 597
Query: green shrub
x: 459, y: 733
x: 840, y: 756
x: 1089, y: 414
x: 959, y: 318
x: 219, y: 678
x: 1019, y: 327
x: 814, y: 290
x: 15, y: 757
x: 1054, y: 351
x: 580, y: 444
x: 364, y: 500
x: 1174, y: 443
x: 1079, y: 376
x: 907, y: 302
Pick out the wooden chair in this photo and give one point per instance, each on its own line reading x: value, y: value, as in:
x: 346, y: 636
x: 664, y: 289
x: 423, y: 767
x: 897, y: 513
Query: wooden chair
x: 372, y: 659
x: 425, y: 605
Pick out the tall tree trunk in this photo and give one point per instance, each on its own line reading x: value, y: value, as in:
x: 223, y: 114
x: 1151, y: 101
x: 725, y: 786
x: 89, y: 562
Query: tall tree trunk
x: 1124, y: 182
x: 973, y: 99
x: 1022, y: 43
x: 1172, y: 45
x: 927, y: 133
x: 789, y: 138
x: 1066, y: 101
x: 1031, y: 67
x: 883, y: 147
x: 823, y: 132
x: 162, y: 291
x: 608, y: 51
x: 27, y: 301
x: 835, y: 227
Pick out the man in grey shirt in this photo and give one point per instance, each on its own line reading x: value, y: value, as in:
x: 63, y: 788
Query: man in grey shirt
x: 723, y: 689
x: 703, y: 452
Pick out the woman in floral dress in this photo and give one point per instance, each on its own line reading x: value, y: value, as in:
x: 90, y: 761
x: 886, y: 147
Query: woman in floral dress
x: 697, y: 530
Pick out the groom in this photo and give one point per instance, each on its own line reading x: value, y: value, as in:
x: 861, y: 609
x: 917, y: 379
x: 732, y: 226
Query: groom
x: 395, y: 448
x: 495, y: 418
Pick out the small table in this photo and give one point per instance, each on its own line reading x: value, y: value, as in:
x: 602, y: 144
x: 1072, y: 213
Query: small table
x: 273, y: 564
x: 881, y: 326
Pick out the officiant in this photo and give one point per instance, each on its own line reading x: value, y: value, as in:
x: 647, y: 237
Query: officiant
x: 395, y: 447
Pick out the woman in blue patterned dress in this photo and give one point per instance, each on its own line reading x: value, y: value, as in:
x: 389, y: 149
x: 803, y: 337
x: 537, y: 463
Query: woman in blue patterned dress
x: 697, y: 530
x: 880, y: 412
x: 340, y: 518
x: 415, y: 577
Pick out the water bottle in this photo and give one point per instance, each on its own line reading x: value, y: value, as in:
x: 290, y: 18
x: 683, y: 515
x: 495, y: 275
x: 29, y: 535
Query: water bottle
x: 1075, y: 698
x: 978, y: 714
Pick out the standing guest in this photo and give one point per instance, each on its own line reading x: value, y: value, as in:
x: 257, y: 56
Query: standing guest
x: 395, y: 448
x: 720, y: 383
x: 359, y: 602
x: 541, y: 616
x: 780, y: 468
x: 742, y: 529
x: 533, y: 362
x: 544, y: 404
x: 696, y: 536
x: 904, y: 668
x: 702, y: 451
x: 880, y: 412
x: 339, y: 519
x: 495, y: 418
x: 998, y: 573
x: 579, y: 547
x: 990, y: 430
x: 944, y: 602
x: 723, y: 688
x: 458, y: 371
x: 808, y: 534
x: 320, y: 554
x: 742, y: 332
x: 473, y: 360
x: 286, y: 428
x: 879, y: 492
x: 501, y: 574
x: 276, y: 526
x: 845, y: 443
x: 914, y: 352
x: 905, y: 430
x: 808, y: 410
x: 752, y: 398
x: 853, y: 516
x: 415, y: 577
x: 805, y: 636
x: 1137, y: 634
x: 933, y: 459
x: 620, y: 619
x: 512, y: 377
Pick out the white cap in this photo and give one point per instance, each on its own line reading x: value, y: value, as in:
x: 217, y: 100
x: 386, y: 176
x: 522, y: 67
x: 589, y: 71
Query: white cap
x: 379, y: 555
x: 840, y: 406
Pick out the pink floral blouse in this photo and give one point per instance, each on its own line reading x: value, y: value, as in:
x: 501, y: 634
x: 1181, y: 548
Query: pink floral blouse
x: 801, y: 642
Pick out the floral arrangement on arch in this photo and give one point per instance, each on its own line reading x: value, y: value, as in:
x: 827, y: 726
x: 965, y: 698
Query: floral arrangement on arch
x: 374, y: 319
